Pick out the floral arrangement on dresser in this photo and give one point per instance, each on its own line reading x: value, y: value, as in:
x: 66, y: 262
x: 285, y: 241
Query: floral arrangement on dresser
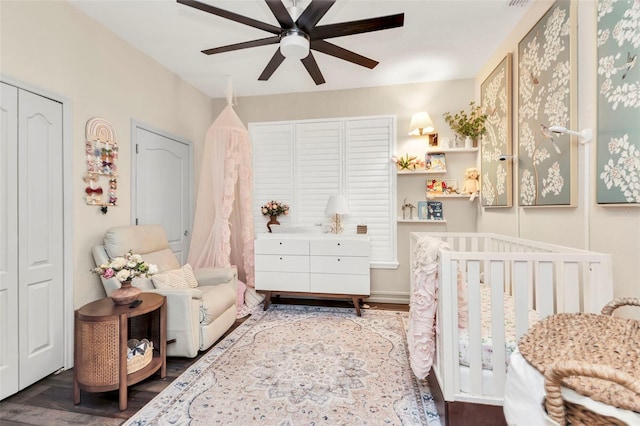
x: 126, y: 268
x: 275, y: 208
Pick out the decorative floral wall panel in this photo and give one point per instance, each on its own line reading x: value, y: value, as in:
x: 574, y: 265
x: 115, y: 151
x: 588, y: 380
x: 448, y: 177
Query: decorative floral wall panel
x: 546, y: 97
x: 618, y: 152
x: 497, y: 175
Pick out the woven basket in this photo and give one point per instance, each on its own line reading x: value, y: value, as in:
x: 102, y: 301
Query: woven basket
x: 609, y: 351
x: 139, y: 361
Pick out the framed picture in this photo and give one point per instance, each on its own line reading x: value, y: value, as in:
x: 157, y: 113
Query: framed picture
x: 618, y: 148
x: 497, y: 175
x: 433, y: 140
x: 435, y: 162
x: 547, y: 162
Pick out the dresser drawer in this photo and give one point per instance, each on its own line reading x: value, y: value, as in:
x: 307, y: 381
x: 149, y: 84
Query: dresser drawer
x: 339, y: 247
x: 282, y: 281
x: 284, y: 246
x: 340, y: 265
x: 340, y: 284
x: 281, y: 263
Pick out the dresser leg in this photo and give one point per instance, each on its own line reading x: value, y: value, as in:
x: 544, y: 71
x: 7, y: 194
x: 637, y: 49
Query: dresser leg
x: 267, y: 300
x: 356, y: 304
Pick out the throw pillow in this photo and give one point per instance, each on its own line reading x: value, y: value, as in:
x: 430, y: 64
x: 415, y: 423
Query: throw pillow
x: 175, y: 278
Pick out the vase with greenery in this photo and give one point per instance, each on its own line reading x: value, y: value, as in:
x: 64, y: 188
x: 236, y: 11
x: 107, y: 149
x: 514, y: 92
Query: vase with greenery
x: 468, y: 124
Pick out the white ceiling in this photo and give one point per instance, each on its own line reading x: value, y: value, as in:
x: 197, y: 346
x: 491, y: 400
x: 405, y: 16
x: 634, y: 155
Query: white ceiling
x: 440, y: 40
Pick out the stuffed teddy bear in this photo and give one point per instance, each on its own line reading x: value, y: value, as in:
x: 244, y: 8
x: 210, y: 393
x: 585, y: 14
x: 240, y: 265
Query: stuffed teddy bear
x: 471, y: 183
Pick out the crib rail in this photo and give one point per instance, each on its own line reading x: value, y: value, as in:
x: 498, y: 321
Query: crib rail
x: 538, y: 276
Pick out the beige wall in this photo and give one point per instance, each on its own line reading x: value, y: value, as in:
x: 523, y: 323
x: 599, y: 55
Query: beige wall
x: 52, y: 46
x: 390, y: 285
x: 614, y: 230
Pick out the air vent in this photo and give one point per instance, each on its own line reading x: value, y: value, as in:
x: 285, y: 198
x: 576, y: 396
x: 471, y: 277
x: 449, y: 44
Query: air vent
x: 518, y: 2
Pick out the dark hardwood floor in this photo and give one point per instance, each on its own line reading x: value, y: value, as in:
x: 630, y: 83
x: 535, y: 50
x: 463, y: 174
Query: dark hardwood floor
x: 50, y: 401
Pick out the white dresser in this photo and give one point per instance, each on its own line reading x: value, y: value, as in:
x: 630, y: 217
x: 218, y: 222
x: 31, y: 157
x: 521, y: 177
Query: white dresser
x: 317, y: 265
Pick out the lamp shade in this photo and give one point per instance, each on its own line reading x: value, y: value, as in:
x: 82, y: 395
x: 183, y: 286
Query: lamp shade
x: 421, y: 124
x: 337, y: 204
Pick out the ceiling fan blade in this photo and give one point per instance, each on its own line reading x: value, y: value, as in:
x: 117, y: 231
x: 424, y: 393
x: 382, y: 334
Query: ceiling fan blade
x: 231, y: 16
x: 339, y: 52
x: 357, y: 27
x: 281, y: 13
x: 313, y: 13
x: 312, y: 68
x: 243, y: 45
x: 272, y: 66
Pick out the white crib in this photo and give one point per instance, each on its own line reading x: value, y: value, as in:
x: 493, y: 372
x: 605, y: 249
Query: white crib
x: 543, y: 277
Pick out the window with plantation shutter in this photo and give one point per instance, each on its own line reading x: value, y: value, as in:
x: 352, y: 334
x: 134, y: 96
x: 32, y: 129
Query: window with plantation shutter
x: 302, y: 163
x: 368, y: 185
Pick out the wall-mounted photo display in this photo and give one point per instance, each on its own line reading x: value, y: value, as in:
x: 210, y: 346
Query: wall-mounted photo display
x: 618, y: 151
x: 547, y: 162
x: 497, y: 173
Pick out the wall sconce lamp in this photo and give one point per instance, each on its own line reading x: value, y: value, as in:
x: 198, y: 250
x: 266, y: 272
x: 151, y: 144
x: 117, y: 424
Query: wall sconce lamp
x: 336, y: 205
x: 583, y: 137
x: 421, y: 124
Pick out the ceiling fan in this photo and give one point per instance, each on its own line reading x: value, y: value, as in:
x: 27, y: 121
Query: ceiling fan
x: 299, y: 32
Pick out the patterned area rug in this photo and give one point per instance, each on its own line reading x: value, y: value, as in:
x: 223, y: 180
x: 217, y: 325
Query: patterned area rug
x: 300, y: 365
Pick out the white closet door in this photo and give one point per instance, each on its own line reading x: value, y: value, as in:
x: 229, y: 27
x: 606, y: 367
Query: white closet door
x: 8, y: 240
x: 164, y: 186
x: 40, y: 249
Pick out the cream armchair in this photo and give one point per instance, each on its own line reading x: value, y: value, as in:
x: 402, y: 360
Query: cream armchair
x: 196, y: 317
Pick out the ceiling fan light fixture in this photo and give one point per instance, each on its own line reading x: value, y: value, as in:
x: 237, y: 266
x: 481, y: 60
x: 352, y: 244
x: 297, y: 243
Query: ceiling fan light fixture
x: 294, y: 44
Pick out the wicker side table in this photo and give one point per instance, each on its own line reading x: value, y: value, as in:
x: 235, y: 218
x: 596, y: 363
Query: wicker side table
x: 102, y: 330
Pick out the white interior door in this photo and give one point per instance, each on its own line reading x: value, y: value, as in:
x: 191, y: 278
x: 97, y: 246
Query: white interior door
x: 41, y: 243
x: 8, y: 240
x: 31, y: 239
x: 163, y: 190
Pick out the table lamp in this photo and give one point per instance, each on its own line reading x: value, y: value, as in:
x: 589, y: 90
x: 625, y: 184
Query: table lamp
x: 336, y: 205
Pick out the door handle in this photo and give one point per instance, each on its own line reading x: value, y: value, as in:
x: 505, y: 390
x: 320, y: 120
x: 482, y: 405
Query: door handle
x: 186, y: 233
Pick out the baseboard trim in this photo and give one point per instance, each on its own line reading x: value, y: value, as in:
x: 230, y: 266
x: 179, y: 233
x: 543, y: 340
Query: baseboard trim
x: 384, y: 297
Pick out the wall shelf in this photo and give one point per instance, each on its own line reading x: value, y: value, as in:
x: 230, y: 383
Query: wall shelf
x: 421, y: 172
x: 431, y: 195
x: 452, y: 150
x: 422, y: 221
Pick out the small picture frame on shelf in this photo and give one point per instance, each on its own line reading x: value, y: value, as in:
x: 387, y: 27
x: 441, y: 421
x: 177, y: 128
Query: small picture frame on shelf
x: 433, y: 140
x: 435, y: 162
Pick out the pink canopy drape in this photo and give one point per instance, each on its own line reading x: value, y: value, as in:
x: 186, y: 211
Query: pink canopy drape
x: 223, y: 231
